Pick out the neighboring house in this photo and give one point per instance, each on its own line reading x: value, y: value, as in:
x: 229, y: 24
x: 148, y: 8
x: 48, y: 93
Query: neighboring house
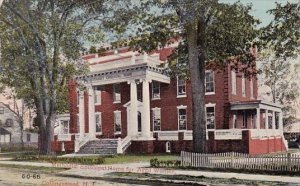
x: 30, y: 137
x: 292, y: 131
x: 17, y: 106
x: 130, y: 104
x: 10, y: 130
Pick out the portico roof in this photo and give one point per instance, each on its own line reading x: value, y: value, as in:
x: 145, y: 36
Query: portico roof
x: 255, y: 104
x: 127, y: 73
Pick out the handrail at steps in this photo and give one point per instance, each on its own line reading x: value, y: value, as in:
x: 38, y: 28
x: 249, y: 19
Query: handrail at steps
x: 79, y: 142
x: 123, y: 144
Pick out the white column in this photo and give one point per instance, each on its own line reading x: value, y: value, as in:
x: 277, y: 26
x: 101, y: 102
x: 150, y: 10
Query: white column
x: 132, y: 125
x: 273, y: 120
x: 280, y: 122
x: 266, y: 119
x: 81, y: 113
x: 257, y: 118
x: 146, y: 110
x: 92, y: 124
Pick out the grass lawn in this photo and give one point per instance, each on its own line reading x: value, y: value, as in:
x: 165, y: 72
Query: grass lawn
x: 138, y: 158
x: 37, y: 169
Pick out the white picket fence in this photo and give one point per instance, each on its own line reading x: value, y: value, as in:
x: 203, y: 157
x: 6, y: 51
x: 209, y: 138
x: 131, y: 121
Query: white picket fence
x: 271, y: 162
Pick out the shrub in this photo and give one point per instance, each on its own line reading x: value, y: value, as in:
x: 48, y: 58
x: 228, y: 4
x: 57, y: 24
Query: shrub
x: 167, y: 164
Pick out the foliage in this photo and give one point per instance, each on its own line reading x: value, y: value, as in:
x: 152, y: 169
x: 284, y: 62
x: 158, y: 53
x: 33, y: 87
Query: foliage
x: 54, y: 159
x: 165, y: 163
x: 207, y: 31
x: 42, y: 42
x: 283, y: 33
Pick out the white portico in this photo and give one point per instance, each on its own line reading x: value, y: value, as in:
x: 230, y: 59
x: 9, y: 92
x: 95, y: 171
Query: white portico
x: 132, y: 68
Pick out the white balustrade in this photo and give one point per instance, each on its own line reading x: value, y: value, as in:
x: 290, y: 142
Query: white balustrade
x: 167, y: 135
x: 64, y: 137
x: 229, y: 134
x: 123, y: 144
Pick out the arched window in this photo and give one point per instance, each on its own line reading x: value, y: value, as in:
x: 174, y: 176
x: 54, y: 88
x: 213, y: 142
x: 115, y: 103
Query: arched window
x: 168, y: 146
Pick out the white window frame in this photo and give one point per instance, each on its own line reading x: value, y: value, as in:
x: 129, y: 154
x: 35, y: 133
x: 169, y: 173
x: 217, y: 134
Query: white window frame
x: 97, y: 96
x: 154, y: 110
x: 184, y: 93
x: 234, y: 120
x: 251, y: 89
x: 214, y: 106
x: 233, y: 82
x: 62, y: 126
x: 99, y: 114
x: 178, y: 118
x: 157, y: 96
x: 168, y: 146
x: 213, y: 81
x: 117, y: 112
x: 243, y: 86
x: 114, y: 93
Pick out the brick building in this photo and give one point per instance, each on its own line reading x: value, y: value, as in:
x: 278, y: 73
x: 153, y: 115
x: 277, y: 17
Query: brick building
x: 128, y: 104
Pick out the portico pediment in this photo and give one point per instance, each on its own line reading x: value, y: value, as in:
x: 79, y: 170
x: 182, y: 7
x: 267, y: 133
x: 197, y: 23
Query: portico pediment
x: 128, y: 104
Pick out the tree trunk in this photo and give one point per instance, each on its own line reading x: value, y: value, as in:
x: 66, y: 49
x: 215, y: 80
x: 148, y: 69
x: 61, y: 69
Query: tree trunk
x: 197, y: 70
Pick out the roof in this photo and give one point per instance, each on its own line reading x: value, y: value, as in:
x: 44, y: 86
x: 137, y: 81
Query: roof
x: 3, y: 131
x: 292, y: 128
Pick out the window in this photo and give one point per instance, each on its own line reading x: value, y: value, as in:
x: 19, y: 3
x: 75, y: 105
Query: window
x: 97, y: 95
x: 209, y: 82
x: 234, y: 121
x: 139, y: 92
x: 168, y: 146
x: 251, y: 88
x: 64, y: 126
x: 210, y: 117
x: 117, y: 121
x: 98, y: 122
x: 156, y: 119
x: 1, y: 110
x: 270, y: 120
x: 182, y: 118
x: 243, y: 86
x: 9, y: 123
x: 117, y: 93
x: 155, y: 90
x: 233, y: 82
x: 244, y: 119
x: 276, y: 120
x: 181, y: 87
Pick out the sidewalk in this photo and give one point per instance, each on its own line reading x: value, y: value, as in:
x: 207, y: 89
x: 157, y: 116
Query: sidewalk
x: 94, y: 171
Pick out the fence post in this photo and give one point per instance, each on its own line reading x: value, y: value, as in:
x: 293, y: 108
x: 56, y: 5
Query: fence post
x: 289, y: 161
x: 231, y: 160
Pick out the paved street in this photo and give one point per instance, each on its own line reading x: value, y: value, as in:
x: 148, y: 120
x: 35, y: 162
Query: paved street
x: 89, y: 172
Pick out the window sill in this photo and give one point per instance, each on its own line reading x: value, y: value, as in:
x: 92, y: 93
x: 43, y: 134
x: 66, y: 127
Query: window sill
x: 181, y: 96
x: 210, y: 93
x: 182, y: 130
x: 96, y: 104
x: 98, y: 133
x: 117, y: 133
x: 155, y: 98
x: 115, y: 102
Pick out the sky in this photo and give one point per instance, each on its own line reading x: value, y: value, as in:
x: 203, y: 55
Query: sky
x: 260, y: 8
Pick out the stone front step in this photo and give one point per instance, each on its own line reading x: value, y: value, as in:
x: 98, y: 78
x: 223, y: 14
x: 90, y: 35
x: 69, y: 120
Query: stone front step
x: 101, y: 147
